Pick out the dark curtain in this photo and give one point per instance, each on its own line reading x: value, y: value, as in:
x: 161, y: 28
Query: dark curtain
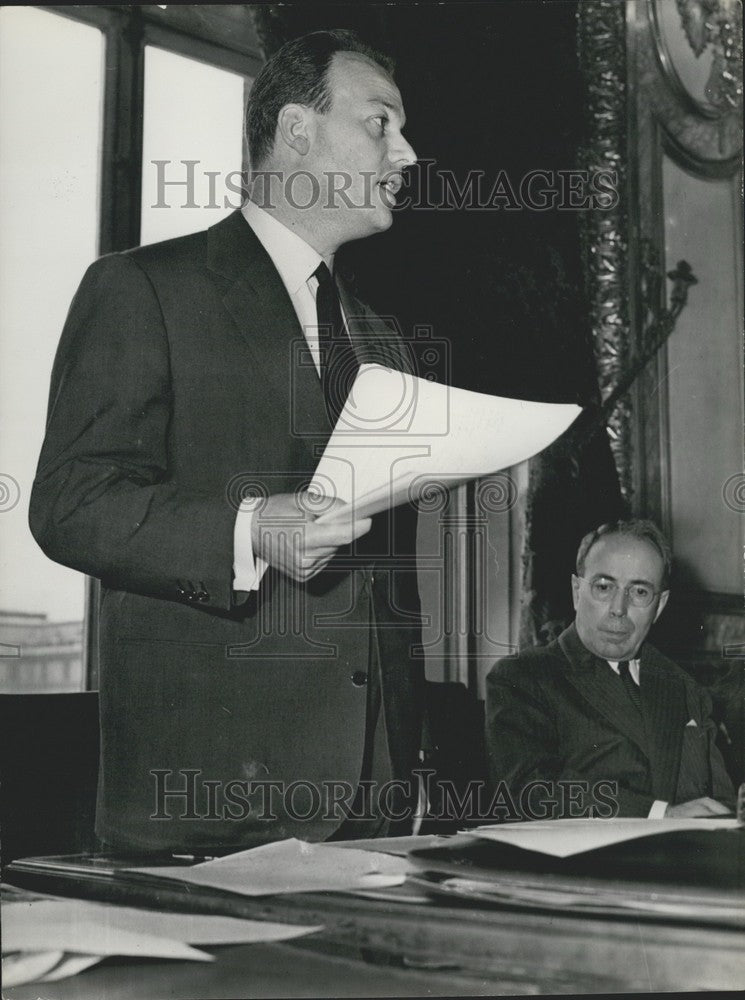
x: 493, y: 88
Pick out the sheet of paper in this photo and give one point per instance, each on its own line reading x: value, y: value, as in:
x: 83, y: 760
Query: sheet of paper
x: 292, y: 866
x: 44, y: 966
x: 71, y: 965
x: 398, y: 433
x: 561, y: 838
x: 23, y: 930
x: 192, y: 928
x: 28, y: 966
x: 75, y: 927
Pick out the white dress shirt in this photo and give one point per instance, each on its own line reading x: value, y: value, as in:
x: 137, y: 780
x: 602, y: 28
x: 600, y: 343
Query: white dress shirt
x: 633, y: 669
x: 295, y: 261
x: 658, y: 806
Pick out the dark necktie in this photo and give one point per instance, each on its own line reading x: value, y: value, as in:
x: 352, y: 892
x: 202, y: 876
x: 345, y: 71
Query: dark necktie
x: 632, y: 689
x: 339, y: 364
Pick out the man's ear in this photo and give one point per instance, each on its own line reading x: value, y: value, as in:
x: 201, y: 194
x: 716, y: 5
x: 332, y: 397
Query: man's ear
x: 575, y: 590
x: 292, y: 127
x: 663, y: 601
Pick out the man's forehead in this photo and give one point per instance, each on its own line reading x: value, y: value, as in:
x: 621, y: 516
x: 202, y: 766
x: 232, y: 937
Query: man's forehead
x: 624, y: 555
x: 357, y: 78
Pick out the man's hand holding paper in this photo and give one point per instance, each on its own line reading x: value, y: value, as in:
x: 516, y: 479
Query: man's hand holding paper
x: 288, y: 535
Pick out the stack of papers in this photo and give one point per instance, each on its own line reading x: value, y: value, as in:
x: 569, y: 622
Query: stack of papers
x: 49, y: 938
x: 511, y: 893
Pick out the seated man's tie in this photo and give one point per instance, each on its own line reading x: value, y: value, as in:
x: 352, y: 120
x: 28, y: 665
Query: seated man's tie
x: 632, y: 689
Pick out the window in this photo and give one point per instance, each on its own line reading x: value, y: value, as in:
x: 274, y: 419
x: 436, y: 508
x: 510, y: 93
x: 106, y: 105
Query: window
x: 192, y: 145
x: 51, y: 98
x: 78, y: 180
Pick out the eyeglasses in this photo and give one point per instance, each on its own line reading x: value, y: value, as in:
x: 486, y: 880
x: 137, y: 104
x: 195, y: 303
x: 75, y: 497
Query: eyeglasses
x: 640, y: 595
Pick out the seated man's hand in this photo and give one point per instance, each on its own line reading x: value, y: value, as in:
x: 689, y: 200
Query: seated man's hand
x: 284, y: 533
x: 702, y: 808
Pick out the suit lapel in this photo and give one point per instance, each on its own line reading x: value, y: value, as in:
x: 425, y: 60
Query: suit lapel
x: 373, y: 340
x: 265, y: 317
x: 595, y: 681
x: 664, y: 706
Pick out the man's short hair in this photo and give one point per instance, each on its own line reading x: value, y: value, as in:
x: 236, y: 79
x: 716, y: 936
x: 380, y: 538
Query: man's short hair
x: 635, y: 528
x: 298, y: 74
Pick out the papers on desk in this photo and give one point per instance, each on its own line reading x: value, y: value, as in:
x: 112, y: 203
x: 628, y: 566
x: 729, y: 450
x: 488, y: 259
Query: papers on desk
x: 692, y: 876
x: 46, y: 939
x: 505, y: 891
x: 43, y: 966
x: 563, y: 838
x: 398, y: 434
x: 292, y: 866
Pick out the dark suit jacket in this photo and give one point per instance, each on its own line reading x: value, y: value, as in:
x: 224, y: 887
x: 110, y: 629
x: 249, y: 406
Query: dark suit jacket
x: 182, y: 379
x: 559, y: 713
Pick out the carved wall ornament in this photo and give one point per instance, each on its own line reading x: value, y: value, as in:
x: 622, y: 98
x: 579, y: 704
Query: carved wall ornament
x: 601, y: 37
x: 715, y: 24
x: 698, y: 45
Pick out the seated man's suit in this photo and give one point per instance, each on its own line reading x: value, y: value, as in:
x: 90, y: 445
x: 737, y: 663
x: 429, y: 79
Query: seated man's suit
x: 560, y: 713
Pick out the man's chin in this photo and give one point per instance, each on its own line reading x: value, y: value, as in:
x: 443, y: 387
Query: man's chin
x: 382, y: 220
x: 621, y: 647
x: 374, y: 223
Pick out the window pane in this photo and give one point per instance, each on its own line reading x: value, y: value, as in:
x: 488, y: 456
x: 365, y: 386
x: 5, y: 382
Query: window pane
x: 51, y: 73
x: 193, y: 112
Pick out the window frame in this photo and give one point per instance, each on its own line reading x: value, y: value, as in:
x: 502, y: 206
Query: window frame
x: 222, y: 36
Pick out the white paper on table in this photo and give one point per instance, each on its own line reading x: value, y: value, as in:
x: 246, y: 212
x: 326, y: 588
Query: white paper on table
x: 399, y: 433
x: 24, y: 931
x: 71, y: 965
x: 292, y: 866
x: 192, y: 928
x: 28, y: 966
x: 561, y: 838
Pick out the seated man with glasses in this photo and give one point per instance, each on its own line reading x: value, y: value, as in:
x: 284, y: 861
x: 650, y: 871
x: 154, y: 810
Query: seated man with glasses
x: 599, y: 722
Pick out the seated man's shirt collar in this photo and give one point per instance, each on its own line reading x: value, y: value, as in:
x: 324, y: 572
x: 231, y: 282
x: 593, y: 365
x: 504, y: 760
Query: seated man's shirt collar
x: 633, y: 668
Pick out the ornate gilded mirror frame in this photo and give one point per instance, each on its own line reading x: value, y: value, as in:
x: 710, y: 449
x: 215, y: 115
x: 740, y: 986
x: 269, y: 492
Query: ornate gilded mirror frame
x: 664, y: 82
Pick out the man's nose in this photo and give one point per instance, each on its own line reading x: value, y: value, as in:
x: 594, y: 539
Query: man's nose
x: 401, y: 152
x: 620, y: 602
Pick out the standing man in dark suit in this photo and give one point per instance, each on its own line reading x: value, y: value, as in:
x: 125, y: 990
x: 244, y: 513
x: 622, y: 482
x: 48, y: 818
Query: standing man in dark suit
x: 255, y: 667
x: 601, y: 708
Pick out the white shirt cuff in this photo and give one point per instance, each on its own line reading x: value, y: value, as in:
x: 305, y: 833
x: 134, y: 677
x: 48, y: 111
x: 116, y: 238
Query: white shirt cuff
x: 658, y: 809
x: 248, y: 569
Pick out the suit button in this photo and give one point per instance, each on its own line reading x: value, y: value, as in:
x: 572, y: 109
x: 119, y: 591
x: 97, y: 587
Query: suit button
x: 203, y: 596
x: 359, y: 678
x: 180, y: 592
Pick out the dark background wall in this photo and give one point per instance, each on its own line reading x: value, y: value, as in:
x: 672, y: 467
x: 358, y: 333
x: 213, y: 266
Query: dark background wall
x: 496, y: 88
x: 487, y: 87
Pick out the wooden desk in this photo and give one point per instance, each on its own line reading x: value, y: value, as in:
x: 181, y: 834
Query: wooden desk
x: 373, y: 948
